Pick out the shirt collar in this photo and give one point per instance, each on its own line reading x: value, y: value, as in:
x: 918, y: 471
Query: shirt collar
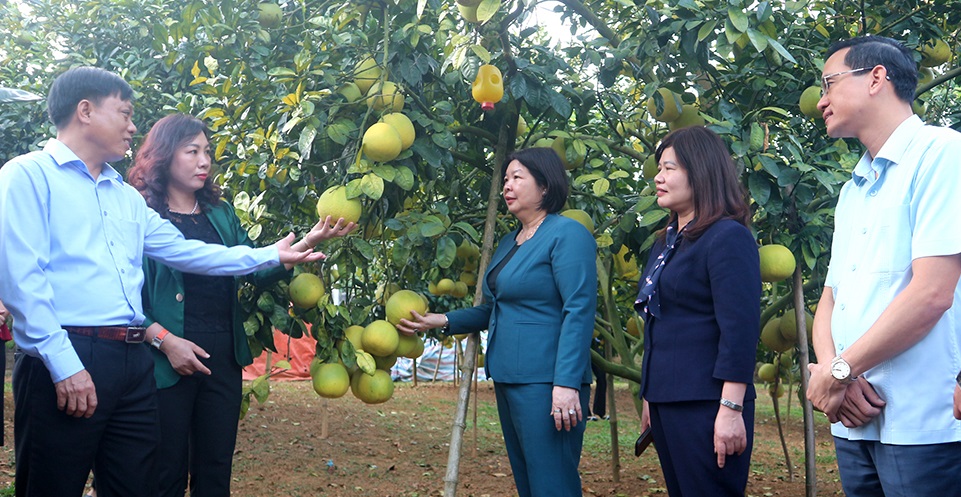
x: 891, y: 152
x: 63, y: 157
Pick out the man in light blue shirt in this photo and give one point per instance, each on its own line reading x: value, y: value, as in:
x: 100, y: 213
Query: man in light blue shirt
x: 72, y: 238
x: 887, y: 322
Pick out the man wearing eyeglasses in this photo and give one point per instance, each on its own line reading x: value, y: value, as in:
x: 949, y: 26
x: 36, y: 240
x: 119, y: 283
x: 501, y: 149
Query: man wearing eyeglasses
x: 887, y: 322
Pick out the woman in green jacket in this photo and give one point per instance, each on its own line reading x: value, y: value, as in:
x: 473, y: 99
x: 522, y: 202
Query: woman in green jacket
x: 194, y: 321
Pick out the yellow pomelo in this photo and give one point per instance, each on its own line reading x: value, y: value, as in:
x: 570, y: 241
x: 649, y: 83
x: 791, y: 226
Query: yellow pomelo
x: 305, y: 290
x: 445, y: 286
x: 384, y: 291
x: 469, y: 278
x: 401, y: 304
x: 771, y: 336
x: 777, y: 391
x: 788, y: 325
x: 404, y: 128
x: 460, y: 290
x: 560, y: 145
x: 410, y: 346
x: 334, y: 203
x: 581, y: 217
x: 635, y: 325
x: 270, y: 15
x: 690, y: 116
x: 372, y: 389
x: 331, y: 380
x: 935, y: 54
x: 809, y: 102
x: 467, y: 251
x: 385, y: 96
x: 650, y: 167
x: 366, y: 74
x: 385, y: 363
x: 624, y: 268
x: 469, y: 13
x: 380, y: 338
x: 354, y: 334
x: 432, y: 288
x: 767, y: 372
x: 382, y: 143
x: 671, y: 109
x: 521, y: 125
x: 777, y: 262
x: 351, y: 92
x: 925, y: 76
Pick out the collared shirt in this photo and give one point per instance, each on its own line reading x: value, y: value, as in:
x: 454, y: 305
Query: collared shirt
x: 71, y: 249
x: 902, y: 205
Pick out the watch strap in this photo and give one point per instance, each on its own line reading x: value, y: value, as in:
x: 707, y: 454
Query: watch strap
x: 159, y: 339
x: 731, y: 404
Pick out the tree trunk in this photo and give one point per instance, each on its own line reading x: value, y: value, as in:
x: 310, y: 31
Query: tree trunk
x: 505, y: 137
x: 810, y: 467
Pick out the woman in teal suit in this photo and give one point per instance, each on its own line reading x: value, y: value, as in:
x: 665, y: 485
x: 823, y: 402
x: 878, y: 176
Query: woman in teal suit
x: 540, y: 294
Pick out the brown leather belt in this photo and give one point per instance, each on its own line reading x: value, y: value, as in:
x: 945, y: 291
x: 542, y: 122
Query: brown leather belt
x: 128, y: 334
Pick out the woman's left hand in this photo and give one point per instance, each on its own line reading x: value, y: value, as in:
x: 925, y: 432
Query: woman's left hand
x: 566, y: 407
x: 730, y: 436
x: 325, y: 230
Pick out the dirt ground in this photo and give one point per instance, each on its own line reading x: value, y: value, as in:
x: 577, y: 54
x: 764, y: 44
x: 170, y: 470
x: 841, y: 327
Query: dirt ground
x: 400, y: 448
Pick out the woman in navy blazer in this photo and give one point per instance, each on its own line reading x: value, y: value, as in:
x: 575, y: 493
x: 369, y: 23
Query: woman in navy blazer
x: 540, y: 296
x: 700, y: 298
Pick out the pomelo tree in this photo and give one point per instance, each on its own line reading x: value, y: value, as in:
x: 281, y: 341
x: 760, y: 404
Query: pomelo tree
x: 284, y: 98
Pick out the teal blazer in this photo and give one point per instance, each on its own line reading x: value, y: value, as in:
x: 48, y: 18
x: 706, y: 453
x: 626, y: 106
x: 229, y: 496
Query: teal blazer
x: 163, y: 294
x: 541, y: 316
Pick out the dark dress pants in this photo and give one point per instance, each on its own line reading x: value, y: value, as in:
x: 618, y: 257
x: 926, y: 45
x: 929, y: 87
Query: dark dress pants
x: 543, y: 459
x: 55, y: 452
x: 198, y: 424
x: 600, y: 391
x: 684, y: 440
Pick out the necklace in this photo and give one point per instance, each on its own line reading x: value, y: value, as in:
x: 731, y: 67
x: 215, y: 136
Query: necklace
x: 192, y: 211
x: 533, y: 230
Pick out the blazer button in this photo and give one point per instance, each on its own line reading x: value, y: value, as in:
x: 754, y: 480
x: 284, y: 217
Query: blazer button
x: 179, y: 297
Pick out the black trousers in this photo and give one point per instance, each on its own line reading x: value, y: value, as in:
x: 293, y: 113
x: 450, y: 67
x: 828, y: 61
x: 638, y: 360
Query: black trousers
x: 684, y: 440
x: 55, y: 452
x: 599, y: 407
x: 198, y: 424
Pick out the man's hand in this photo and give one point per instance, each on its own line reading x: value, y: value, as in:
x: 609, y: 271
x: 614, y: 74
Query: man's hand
x: 77, y: 395
x: 184, y: 355
x: 861, y: 404
x: 957, y: 401
x: 824, y: 391
x: 730, y: 435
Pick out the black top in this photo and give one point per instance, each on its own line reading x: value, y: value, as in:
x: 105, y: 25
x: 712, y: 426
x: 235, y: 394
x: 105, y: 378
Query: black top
x: 208, y: 299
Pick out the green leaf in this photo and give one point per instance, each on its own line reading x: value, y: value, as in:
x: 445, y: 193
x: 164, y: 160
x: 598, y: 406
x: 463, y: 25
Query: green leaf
x: 282, y: 364
x: 707, y: 29
x: 306, y: 141
x: 365, y: 248
x: 487, y: 9
x: 372, y: 186
x: 260, y: 388
x: 365, y: 362
x: 481, y: 53
x: 431, y: 226
x: 446, y: 252
x: 781, y: 50
x: 758, y: 39
x: 760, y: 189
x: 466, y: 228
x: 738, y: 19
x: 404, y: 178
x: 651, y: 218
x: 385, y: 171
x: 601, y: 187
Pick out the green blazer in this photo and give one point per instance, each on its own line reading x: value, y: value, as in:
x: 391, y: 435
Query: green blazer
x: 163, y: 294
x: 541, y: 315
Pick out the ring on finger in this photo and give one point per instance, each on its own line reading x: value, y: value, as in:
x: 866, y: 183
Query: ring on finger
x: 572, y: 412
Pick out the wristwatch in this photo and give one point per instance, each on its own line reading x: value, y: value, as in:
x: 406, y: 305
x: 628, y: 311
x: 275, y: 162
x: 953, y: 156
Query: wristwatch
x: 841, y: 370
x: 159, y: 339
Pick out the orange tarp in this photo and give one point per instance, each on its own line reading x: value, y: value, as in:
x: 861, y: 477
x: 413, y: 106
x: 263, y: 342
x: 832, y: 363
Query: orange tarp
x: 298, y: 351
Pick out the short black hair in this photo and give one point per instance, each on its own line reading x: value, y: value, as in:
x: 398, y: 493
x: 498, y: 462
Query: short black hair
x: 871, y: 51
x: 548, y: 172
x: 83, y: 83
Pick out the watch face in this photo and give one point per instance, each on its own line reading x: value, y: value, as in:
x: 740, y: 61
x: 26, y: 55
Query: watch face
x: 840, y: 370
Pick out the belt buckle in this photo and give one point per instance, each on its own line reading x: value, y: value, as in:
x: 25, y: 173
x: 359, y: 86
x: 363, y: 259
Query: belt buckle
x: 135, y: 334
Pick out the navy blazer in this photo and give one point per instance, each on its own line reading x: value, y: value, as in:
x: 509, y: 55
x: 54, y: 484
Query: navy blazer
x: 710, y: 298
x: 541, y: 318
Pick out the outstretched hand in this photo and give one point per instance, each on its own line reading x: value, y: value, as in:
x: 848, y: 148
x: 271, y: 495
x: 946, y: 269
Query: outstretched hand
x: 324, y: 230
x: 291, y: 255
x: 421, y: 323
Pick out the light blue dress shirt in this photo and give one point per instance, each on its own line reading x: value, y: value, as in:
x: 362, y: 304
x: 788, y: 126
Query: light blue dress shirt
x: 902, y: 205
x: 71, y: 249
